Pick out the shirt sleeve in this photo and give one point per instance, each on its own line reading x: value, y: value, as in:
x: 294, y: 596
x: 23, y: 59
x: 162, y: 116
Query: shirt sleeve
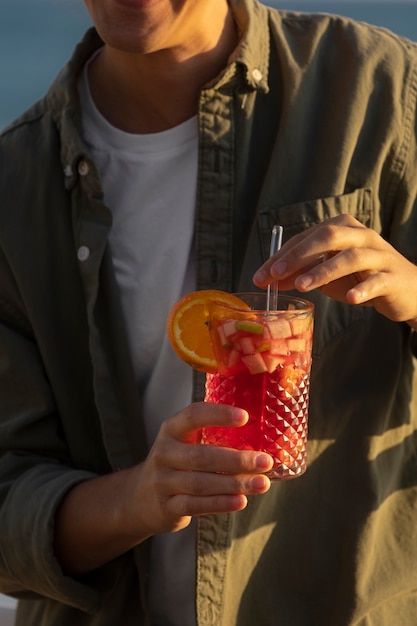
x: 35, y: 474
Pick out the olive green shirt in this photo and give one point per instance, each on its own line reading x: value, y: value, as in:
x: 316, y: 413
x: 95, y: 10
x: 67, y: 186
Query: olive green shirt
x: 314, y: 116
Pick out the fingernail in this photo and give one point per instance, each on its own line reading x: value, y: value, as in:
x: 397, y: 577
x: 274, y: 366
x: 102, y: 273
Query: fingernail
x: 258, y: 483
x: 240, y: 416
x: 279, y: 268
x: 260, y: 276
x: 263, y: 461
x: 304, y: 281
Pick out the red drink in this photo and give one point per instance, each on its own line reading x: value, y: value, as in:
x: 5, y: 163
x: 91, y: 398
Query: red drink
x: 264, y: 367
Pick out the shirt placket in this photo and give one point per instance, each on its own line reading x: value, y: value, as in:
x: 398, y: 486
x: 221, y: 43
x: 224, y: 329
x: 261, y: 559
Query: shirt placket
x: 92, y: 223
x: 213, y: 244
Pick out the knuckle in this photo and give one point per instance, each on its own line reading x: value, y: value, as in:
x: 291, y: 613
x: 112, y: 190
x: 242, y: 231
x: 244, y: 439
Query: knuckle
x: 156, y: 455
x: 329, y: 235
x: 246, y: 462
x: 380, y: 283
x: 347, y: 219
x: 180, y: 506
x: 360, y: 260
x: 355, y: 258
x: 344, y: 219
x: 325, y: 273
x: 166, y: 426
x: 242, y: 484
x: 195, y: 456
x: 298, y: 252
x: 192, y: 415
x: 194, y: 483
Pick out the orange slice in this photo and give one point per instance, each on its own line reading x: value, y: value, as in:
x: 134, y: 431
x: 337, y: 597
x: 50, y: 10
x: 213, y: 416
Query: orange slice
x: 187, y: 326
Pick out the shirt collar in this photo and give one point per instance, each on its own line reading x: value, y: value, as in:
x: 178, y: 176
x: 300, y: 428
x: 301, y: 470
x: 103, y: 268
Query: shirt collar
x: 253, y: 50
x: 251, y: 56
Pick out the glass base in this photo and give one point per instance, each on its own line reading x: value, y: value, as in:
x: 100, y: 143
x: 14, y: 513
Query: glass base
x: 282, y: 472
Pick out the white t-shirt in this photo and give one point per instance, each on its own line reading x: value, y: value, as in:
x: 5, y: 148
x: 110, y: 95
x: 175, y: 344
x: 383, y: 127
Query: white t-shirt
x: 149, y: 184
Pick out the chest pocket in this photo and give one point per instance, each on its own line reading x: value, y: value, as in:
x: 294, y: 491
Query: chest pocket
x: 331, y: 317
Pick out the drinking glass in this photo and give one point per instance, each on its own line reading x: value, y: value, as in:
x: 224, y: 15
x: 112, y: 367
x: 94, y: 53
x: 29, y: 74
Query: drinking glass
x: 264, y: 360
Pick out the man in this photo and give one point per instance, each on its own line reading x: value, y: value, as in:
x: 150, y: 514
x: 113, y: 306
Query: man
x: 178, y: 134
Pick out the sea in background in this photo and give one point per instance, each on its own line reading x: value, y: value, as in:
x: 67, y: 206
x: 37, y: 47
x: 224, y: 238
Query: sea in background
x: 37, y: 37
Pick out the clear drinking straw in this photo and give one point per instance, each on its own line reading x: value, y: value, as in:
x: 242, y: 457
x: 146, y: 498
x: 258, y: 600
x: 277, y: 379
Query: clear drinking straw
x: 272, y: 292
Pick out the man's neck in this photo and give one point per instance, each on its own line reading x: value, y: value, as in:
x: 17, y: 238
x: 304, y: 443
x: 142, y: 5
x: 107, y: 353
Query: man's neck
x: 153, y: 92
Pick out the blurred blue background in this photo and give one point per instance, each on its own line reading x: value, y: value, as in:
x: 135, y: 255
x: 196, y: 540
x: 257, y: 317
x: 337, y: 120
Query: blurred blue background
x: 37, y: 37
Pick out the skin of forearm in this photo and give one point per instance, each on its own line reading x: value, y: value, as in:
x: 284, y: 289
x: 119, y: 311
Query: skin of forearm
x: 90, y: 523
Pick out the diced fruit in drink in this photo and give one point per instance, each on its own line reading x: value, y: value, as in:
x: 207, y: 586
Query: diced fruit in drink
x: 246, y: 345
x: 263, y: 346
x: 280, y: 346
x: 233, y: 359
x: 224, y: 341
x: 273, y: 340
x: 250, y: 327
x: 255, y: 363
x: 228, y: 327
x: 279, y: 329
x: 273, y: 362
x: 300, y: 325
x: 296, y: 344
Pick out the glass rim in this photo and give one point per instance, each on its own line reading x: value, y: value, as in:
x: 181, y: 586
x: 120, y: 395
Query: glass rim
x: 306, y: 305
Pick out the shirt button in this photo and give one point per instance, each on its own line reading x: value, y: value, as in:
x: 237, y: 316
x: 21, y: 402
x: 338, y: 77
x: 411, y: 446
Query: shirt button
x: 257, y: 74
x: 83, y: 253
x: 83, y: 168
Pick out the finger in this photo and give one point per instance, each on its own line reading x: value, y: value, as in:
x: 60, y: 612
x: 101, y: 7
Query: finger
x: 262, y: 276
x: 356, y: 263
x: 232, y: 496
x: 215, y: 459
x: 373, y: 287
x: 308, y: 248
x: 189, y: 506
x: 212, y: 484
x: 323, y: 243
x: 391, y: 291
x: 201, y: 414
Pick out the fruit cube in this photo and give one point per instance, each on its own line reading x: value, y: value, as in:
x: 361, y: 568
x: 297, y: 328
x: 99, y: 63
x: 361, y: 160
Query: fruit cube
x: 300, y: 325
x: 255, y: 363
x: 228, y: 328
x: 296, y: 344
x: 262, y: 345
x: 279, y: 346
x: 246, y: 345
x: 250, y: 327
x: 273, y: 362
x: 280, y: 329
x: 224, y: 341
x: 233, y: 358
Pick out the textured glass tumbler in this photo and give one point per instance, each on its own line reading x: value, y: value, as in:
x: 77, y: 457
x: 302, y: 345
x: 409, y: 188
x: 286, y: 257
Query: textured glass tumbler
x: 264, y: 360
